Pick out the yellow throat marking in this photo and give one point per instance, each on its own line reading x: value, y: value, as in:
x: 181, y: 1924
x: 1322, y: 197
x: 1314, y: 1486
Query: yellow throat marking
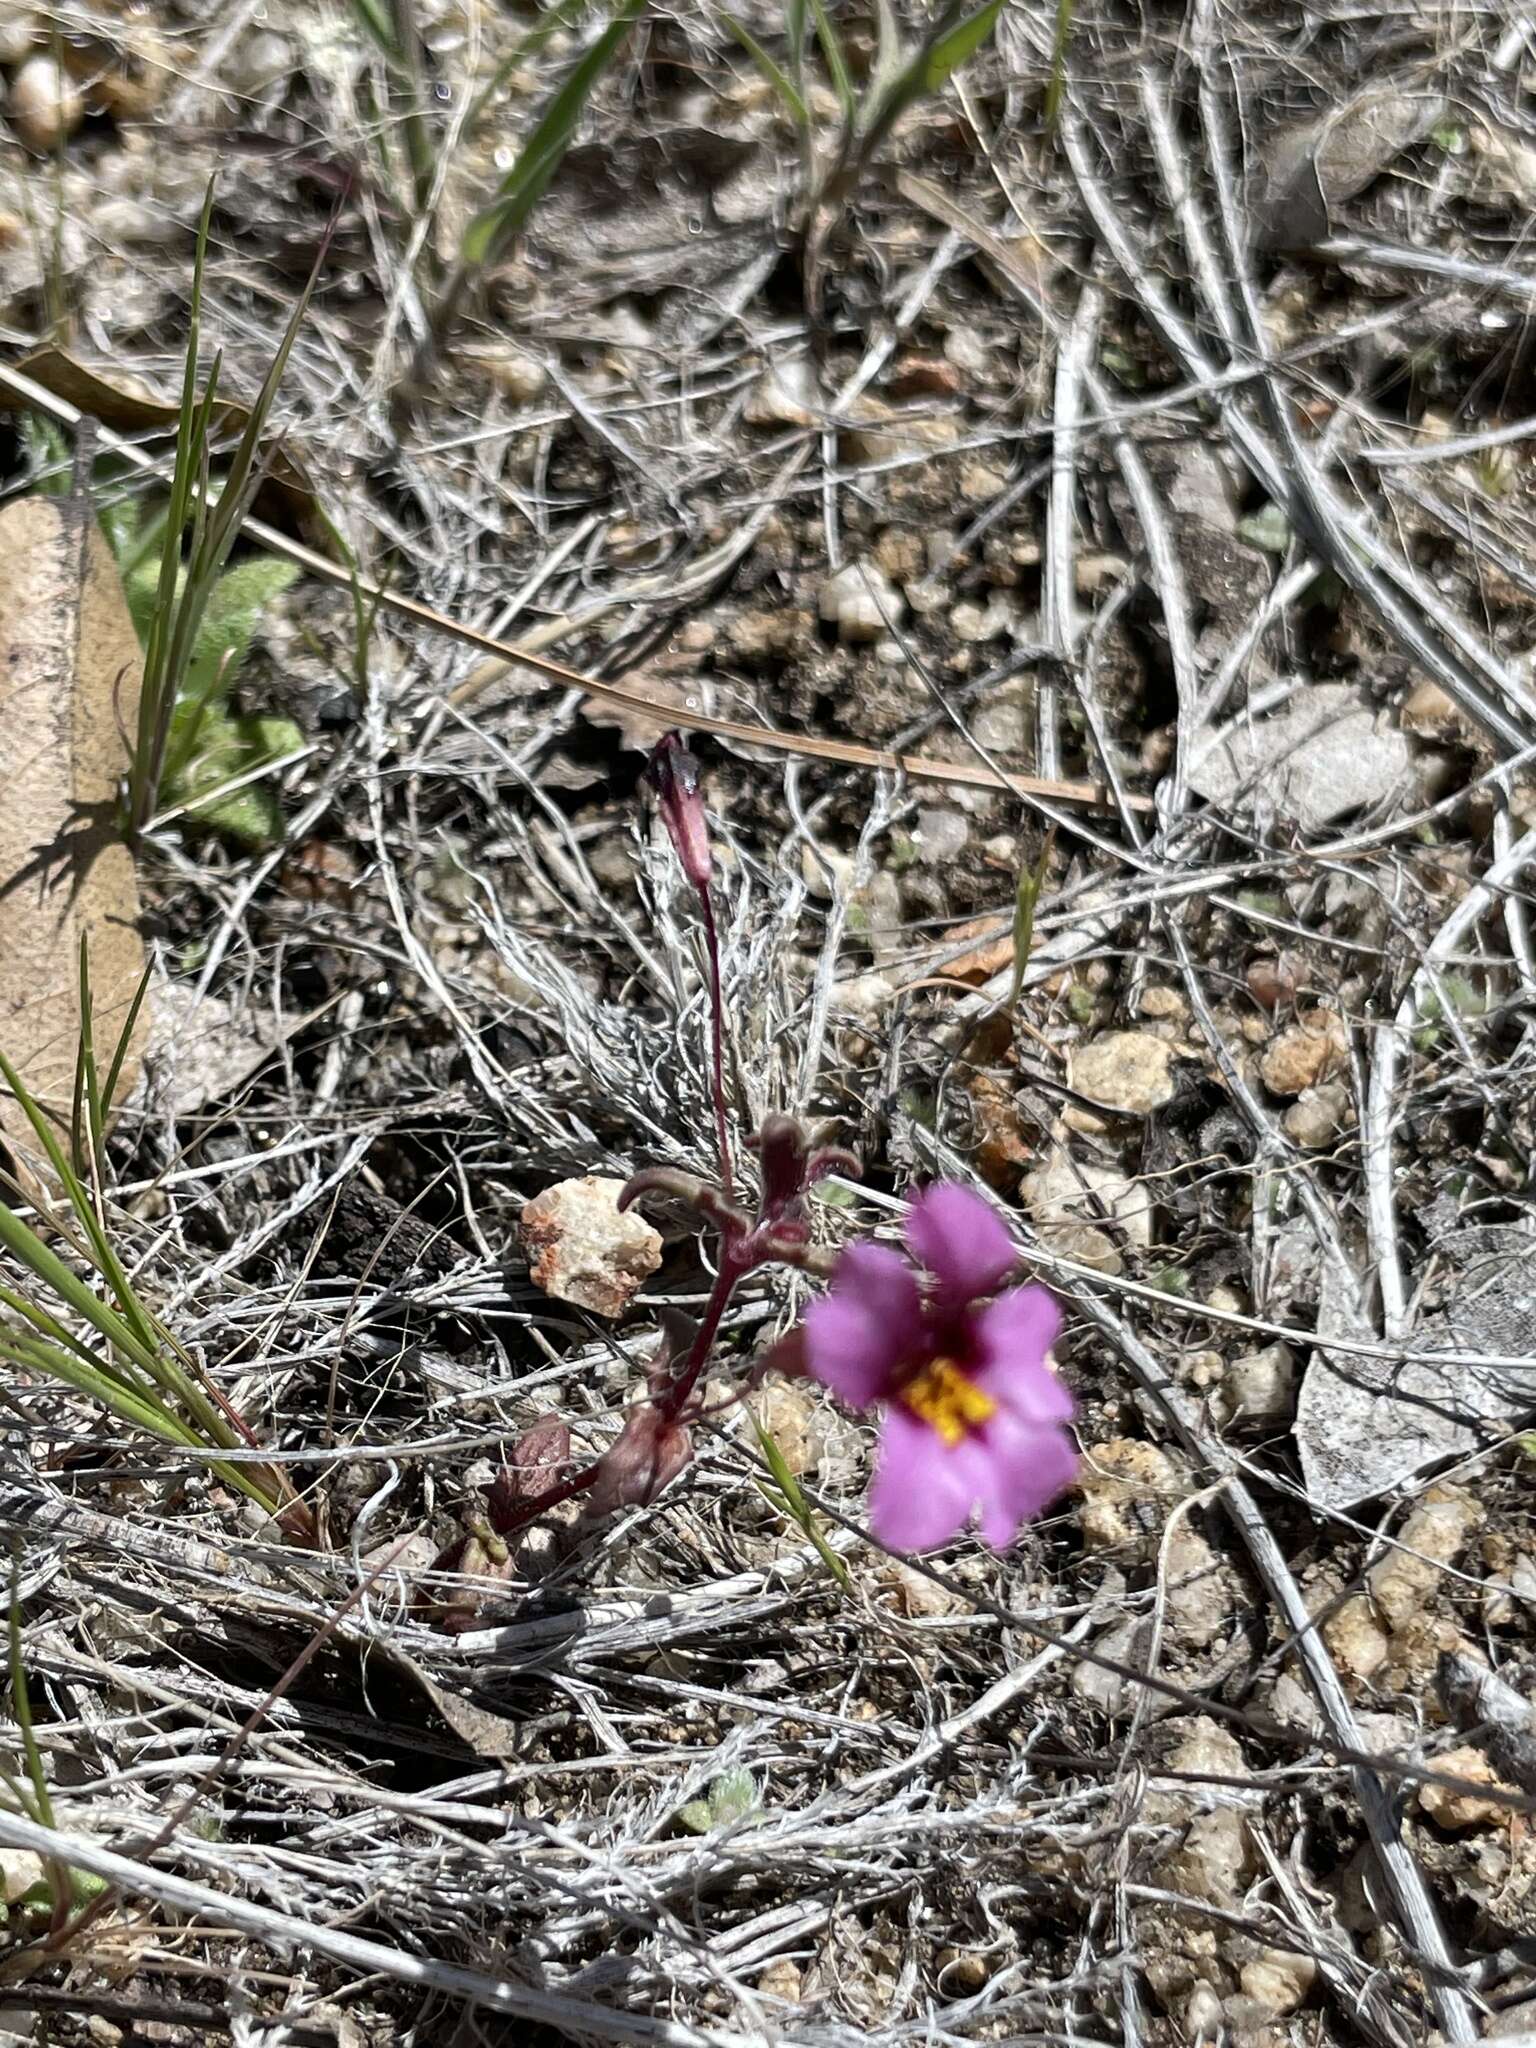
x: 947, y: 1401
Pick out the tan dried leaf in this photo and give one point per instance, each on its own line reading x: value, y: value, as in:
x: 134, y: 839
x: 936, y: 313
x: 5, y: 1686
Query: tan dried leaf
x: 69, y: 694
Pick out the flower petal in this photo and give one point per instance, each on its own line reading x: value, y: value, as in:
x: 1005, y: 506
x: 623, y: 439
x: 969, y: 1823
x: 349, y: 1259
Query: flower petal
x: 1027, y: 1469
x: 1012, y: 1336
x: 922, y: 1491
x: 870, y: 1324
x: 960, y: 1241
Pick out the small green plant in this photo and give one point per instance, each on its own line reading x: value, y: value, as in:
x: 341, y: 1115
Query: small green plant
x: 492, y: 232
x: 126, y: 1361
x: 1462, y: 996
x: 392, y: 26
x: 732, y: 1796
x: 902, y: 74
x: 210, y: 746
x: 59, y: 1888
x: 181, y: 703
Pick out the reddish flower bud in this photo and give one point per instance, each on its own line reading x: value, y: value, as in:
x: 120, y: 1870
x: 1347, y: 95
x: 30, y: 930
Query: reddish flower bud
x: 649, y: 1454
x: 780, y: 1146
x: 689, y: 1189
x: 537, y: 1458
x: 674, y: 775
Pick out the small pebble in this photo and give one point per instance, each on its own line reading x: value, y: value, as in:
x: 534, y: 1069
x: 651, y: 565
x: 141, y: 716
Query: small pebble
x: 1273, y: 982
x: 1258, y: 1388
x: 1318, y: 1115
x: 1305, y: 1053
x: 46, y: 105
x: 860, y: 601
x: 1124, y: 1070
x: 1127, y: 1488
x: 1278, y: 1979
x: 942, y: 834
x: 1454, y: 1810
x: 1429, y: 711
x: 260, y: 61
x: 1201, y: 1592
x: 781, y: 1979
x: 583, y: 1249
x: 516, y: 375
x: 19, y: 28
x: 1403, y: 1582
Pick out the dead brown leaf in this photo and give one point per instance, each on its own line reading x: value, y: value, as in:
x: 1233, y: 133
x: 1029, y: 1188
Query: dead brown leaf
x: 69, y: 692
x: 125, y: 406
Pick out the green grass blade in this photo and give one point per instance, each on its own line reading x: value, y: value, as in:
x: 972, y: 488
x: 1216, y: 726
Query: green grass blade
x: 1026, y: 895
x: 124, y: 1040
x: 795, y: 1505
x: 794, y: 29
x: 91, y: 1378
x: 127, y: 1327
x: 495, y: 226
x: 21, y: 1704
x: 374, y: 19
x: 771, y: 71
x: 88, y: 1084
x: 948, y: 52
x: 137, y: 1411
x: 934, y: 64
x: 102, y: 1256
x: 151, y: 702
x: 837, y: 63
x: 561, y: 15
x: 1061, y: 42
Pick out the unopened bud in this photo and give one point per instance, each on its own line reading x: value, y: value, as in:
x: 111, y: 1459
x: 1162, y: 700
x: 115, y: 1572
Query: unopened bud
x: 674, y: 775
x: 648, y: 1456
x: 535, y: 1460
x: 780, y: 1146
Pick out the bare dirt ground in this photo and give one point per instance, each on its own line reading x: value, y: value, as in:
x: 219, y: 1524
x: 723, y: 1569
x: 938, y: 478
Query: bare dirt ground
x: 1174, y: 455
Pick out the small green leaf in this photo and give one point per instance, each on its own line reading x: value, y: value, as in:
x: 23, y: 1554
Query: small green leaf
x: 219, y: 749
x: 732, y: 1796
x: 251, y: 816
x: 696, y: 1817
x: 229, y: 622
x: 1123, y: 366
x: 1268, y: 528
x: 48, y: 454
x: 494, y: 227
x: 771, y: 71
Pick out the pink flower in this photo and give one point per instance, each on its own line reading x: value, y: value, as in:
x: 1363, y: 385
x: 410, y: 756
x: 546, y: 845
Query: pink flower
x: 974, y: 1417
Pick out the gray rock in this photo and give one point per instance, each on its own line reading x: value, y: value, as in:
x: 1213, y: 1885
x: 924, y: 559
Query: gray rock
x: 1325, y: 752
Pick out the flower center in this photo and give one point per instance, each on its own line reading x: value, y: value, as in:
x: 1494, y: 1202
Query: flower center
x: 947, y: 1401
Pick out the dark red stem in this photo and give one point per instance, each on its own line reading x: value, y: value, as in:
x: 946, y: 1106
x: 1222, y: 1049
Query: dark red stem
x: 717, y: 1042
x: 553, y: 1497
x: 736, y: 1262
